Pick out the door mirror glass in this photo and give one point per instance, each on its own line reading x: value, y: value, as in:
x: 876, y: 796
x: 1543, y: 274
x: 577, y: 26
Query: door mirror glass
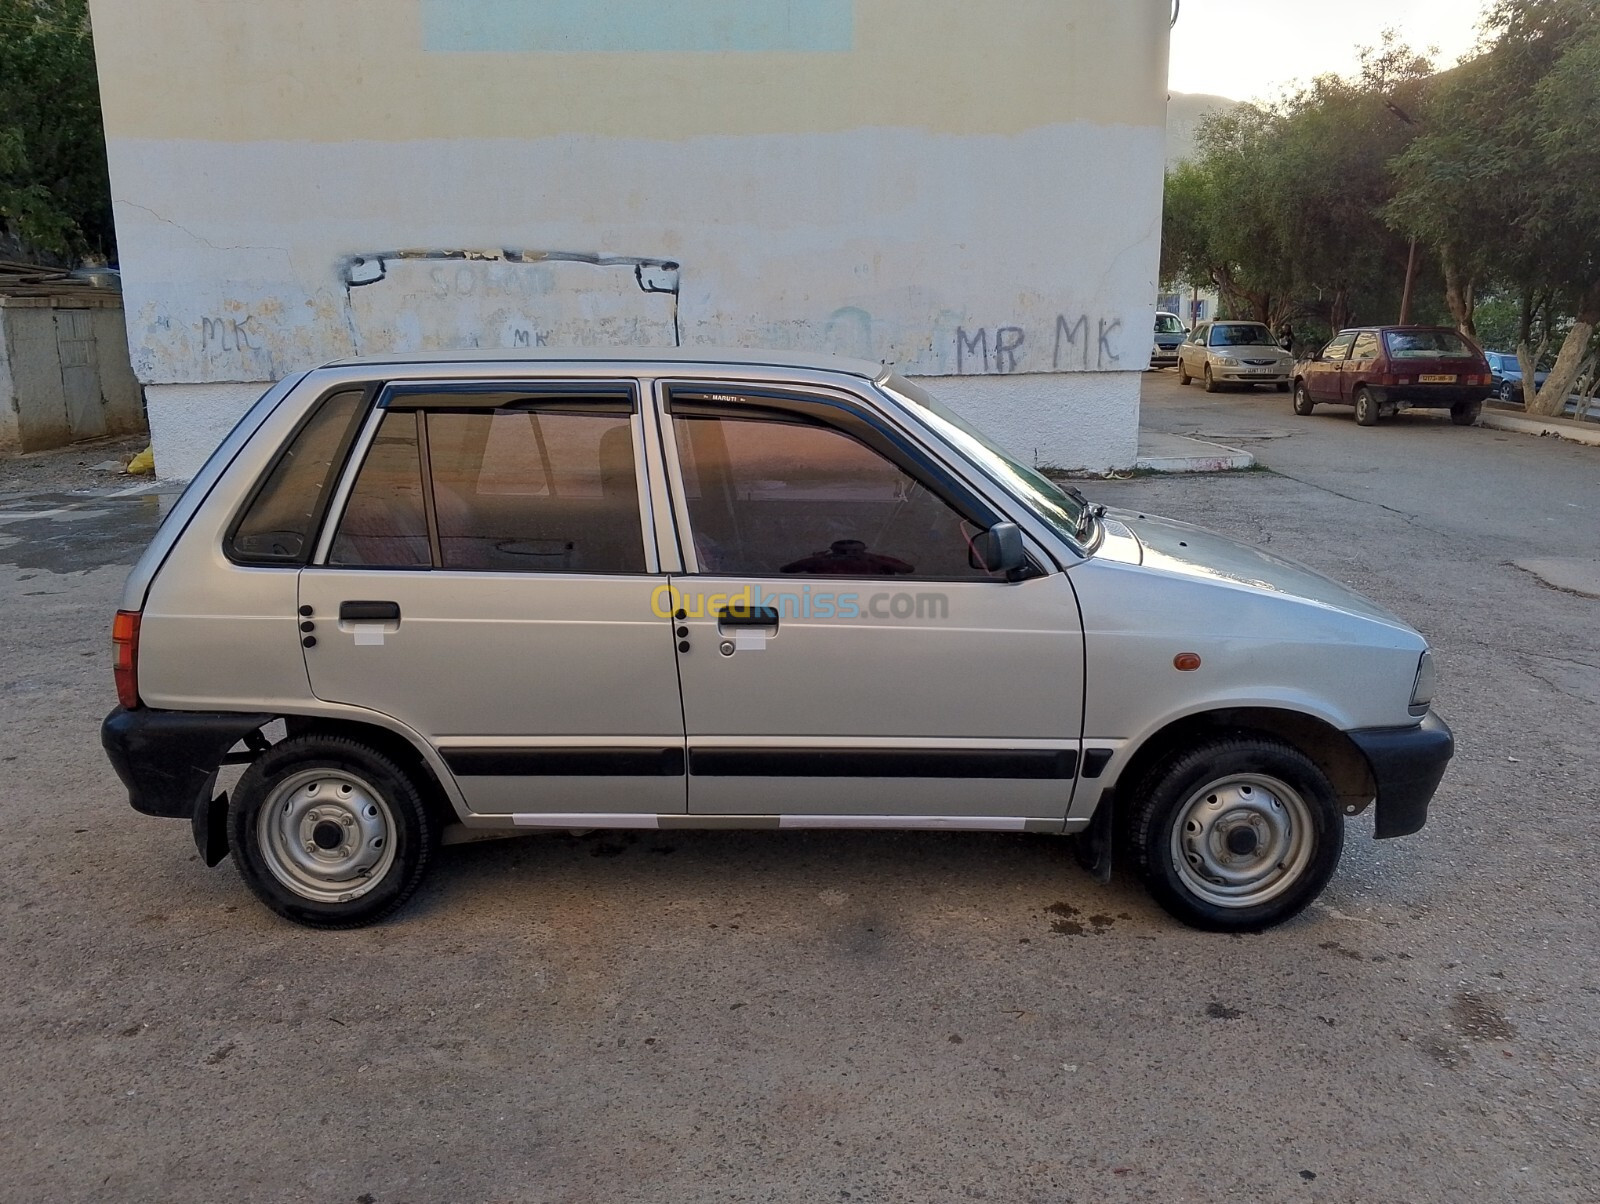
x: 998, y: 550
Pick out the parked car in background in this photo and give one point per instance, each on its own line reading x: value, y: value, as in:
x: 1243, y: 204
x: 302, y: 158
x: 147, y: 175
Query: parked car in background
x: 1234, y: 353
x: 1170, y: 333
x: 1505, y: 376
x: 438, y: 596
x: 1382, y: 370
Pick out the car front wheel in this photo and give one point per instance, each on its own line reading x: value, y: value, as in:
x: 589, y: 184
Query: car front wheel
x: 1211, y: 382
x: 1303, y: 405
x: 1237, y: 834
x: 1509, y: 392
x: 329, y: 832
x: 1183, y: 374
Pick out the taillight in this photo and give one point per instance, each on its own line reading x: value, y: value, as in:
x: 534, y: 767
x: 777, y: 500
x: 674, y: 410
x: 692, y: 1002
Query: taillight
x: 125, y: 656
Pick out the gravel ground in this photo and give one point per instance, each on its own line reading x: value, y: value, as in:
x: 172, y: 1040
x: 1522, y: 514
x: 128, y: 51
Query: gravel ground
x: 809, y: 1016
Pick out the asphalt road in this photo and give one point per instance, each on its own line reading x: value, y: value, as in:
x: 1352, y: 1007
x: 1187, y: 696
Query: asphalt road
x: 843, y: 1016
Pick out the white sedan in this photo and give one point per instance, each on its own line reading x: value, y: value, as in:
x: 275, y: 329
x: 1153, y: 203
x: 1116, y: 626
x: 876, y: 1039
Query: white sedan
x: 1234, y: 353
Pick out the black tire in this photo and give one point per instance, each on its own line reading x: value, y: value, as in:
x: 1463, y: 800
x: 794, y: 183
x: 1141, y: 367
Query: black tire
x: 1366, y: 407
x: 362, y: 812
x: 1510, y: 392
x: 1283, y: 386
x: 1245, y: 787
x: 1183, y: 376
x: 1303, y: 405
x: 1211, y: 383
x: 1466, y: 413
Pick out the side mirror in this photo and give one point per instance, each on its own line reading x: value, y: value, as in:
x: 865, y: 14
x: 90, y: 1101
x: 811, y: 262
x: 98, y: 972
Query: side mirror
x: 998, y: 550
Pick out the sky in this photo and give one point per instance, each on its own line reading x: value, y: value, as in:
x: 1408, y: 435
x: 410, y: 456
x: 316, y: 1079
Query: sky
x: 1253, y: 49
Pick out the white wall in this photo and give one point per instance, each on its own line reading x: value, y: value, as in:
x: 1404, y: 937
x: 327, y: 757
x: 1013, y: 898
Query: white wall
x: 965, y: 197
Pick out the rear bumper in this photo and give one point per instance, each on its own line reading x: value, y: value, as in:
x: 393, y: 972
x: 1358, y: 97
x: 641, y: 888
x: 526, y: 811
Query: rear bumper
x: 1407, y: 765
x: 1433, y: 397
x: 169, y: 759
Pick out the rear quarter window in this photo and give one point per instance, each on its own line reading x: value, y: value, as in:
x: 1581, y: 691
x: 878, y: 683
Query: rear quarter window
x: 279, y: 525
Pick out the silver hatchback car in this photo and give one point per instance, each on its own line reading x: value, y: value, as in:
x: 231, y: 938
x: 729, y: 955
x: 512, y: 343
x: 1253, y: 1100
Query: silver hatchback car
x: 428, y: 598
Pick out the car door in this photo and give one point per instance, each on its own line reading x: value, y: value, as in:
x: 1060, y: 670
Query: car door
x: 487, y: 580
x: 1192, y: 351
x: 840, y: 653
x: 1323, y: 381
x: 1360, y: 369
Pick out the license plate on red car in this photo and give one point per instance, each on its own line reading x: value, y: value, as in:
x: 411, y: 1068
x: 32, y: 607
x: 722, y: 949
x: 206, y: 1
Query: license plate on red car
x: 1436, y: 380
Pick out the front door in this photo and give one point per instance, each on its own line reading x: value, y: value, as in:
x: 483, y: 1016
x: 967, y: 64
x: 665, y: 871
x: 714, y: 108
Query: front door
x: 1323, y: 377
x: 487, y: 581
x: 841, y: 653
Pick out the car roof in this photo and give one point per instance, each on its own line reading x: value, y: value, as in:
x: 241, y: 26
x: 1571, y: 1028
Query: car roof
x: 709, y: 357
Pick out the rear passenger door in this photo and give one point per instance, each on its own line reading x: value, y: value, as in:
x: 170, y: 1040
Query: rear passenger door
x: 487, y: 577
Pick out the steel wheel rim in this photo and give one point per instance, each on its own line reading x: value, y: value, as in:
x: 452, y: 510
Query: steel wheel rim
x: 327, y: 835
x: 1242, y: 840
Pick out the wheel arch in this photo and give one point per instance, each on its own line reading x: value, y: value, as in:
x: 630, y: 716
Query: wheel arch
x: 391, y: 744
x: 1331, y: 750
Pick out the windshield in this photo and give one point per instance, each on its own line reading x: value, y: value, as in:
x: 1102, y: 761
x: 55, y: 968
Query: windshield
x: 1043, y: 496
x: 1427, y: 345
x: 1241, y: 334
x: 1170, y: 324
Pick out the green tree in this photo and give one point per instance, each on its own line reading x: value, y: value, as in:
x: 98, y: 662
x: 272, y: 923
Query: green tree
x: 55, y: 195
x: 1502, y: 181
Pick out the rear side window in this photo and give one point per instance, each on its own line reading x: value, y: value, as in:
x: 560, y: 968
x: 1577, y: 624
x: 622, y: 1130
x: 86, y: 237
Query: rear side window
x: 1366, y: 347
x: 279, y: 525
x: 385, y: 522
x: 513, y: 489
x: 536, y: 490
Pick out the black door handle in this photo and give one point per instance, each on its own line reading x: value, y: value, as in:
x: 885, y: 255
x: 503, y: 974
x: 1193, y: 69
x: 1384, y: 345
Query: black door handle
x: 369, y: 612
x: 748, y: 616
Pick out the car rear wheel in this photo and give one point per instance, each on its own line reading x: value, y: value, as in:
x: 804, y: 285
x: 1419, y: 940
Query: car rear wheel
x: 1303, y: 405
x: 1237, y: 834
x: 1211, y: 383
x: 329, y: 832
x: 1466, y: 413
x: 1366, y: 408
x: 1510, y: 392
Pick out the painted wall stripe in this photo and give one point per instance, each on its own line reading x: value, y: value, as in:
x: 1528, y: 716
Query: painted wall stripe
x: 587, y: 26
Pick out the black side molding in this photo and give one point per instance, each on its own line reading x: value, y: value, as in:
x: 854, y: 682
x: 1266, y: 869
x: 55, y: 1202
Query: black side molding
x: 1407, y: 764
x: 167, y: 759
x: 1024, y: 764
x: 565, y: 762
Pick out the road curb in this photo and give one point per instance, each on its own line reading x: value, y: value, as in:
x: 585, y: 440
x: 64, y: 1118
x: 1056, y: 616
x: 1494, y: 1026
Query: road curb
x: 1575, y: 432
x: 1205, y: 457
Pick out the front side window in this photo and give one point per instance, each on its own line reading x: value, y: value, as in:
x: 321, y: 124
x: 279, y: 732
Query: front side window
x: 278, y: 525
x: 775, y: 495
x: 1336, y: 351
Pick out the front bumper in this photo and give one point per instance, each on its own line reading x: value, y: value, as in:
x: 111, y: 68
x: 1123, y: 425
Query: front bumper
x: 1246, y: 376
x: 1407, y: 765
x: 169, y: 759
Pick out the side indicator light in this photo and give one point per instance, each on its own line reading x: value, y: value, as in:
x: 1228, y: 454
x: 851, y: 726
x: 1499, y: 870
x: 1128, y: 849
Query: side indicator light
x: 1186, y: 662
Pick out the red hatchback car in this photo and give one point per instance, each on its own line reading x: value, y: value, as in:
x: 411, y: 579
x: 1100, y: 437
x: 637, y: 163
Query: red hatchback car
x: 1381, y: 370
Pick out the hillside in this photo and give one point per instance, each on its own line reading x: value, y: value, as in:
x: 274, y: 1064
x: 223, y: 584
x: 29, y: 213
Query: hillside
x: 1184, y: 111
